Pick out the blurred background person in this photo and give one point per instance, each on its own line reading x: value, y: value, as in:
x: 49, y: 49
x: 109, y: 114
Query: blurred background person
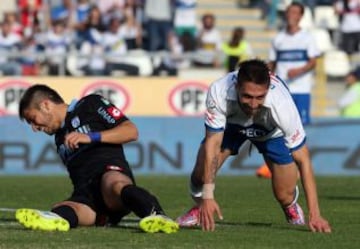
x: 176, y: 57
x: 131, y: 30
x: 237, y: 49
x: 30, y: 62
x: 91, y: 36
x: 111, y: 8
x: 57, y: 44
x: 12, y: 19
x: 7, y: 6
x: 209, y: 41
x: 292, y: 56
x: 158, y: 14
x: 185, y: 17
x: 349, y: 12
x: 9, y: 49
x: 94, y: 21
x: 30, y: 11
x: 116, y: 49
x: 349, y: 102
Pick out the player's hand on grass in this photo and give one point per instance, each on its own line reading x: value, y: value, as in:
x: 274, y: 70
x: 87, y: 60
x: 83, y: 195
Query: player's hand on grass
x: 319, y: 224
x: 73, y: 139
x: 208, y: 208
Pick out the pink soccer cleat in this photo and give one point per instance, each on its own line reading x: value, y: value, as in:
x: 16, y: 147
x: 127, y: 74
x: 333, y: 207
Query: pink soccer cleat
x: 294, y: 214
x: 190, y: 219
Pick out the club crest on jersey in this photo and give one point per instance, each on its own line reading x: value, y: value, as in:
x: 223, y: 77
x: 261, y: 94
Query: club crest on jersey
x: 114, y: 112
x: 211, y: 104
x: 75, y: 122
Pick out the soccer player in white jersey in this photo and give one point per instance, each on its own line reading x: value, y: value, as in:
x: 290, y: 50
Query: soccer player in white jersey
x: 254, y: 105
x: 292, y: 56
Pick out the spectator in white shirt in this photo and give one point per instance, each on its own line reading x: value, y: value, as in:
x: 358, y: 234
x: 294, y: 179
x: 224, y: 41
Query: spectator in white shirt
x: 57, y: 43
x: 131, y: 30
x: 209, y: 43
x: 9, y: 46
x: 116, y: 50
x: 349, y: 10
x: 111, y: 8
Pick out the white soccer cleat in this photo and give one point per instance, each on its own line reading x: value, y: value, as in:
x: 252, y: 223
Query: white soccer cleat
x: 190, y: 219
x: 41, y: 220
x: 158, y: 223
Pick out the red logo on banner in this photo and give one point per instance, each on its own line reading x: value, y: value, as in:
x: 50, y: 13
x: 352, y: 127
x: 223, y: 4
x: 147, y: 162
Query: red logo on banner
x: 188, y: 99
x: 112, y: 91
x: 10, y: 95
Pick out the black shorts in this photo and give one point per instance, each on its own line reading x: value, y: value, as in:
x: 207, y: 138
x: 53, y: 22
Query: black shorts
x: 88, y: 192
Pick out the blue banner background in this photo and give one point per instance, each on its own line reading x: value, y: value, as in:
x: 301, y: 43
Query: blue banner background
x: 168, y: 145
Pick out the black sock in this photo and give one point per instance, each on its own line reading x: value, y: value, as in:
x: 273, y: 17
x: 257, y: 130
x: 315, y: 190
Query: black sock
x: 140, y: 201
x: 68, y: 213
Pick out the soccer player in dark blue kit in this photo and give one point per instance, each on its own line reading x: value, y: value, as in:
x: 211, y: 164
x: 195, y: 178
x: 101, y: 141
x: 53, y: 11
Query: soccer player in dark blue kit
x: 89, y: 136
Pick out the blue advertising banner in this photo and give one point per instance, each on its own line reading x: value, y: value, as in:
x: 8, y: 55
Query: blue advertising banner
x: 168, y: 145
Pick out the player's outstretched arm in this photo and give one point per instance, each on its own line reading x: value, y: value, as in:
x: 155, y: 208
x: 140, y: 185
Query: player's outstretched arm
x: 208, y: 206
x: 316, y: 222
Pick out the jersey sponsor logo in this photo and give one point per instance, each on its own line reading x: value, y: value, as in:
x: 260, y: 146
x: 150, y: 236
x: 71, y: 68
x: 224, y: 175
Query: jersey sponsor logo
x: 10, y: 94
x: 75, y: 122
x: 111, y: 91
x: 105, y: 115
x: 114, y: 112
x: 188, y: 99
x: 292, y: 55
x: 252, y: 132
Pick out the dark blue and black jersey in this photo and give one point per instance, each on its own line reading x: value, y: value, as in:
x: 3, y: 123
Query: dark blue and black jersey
x: 92, y: 113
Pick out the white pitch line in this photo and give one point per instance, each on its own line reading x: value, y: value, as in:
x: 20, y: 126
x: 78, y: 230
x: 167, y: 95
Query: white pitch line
x: 9, y: 223
x: 13, y: 210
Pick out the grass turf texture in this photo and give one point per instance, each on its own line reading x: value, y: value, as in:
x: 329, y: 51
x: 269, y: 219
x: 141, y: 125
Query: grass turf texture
x: 252, y: 217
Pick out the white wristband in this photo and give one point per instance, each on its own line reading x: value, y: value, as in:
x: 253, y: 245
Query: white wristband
x: 208, y: 191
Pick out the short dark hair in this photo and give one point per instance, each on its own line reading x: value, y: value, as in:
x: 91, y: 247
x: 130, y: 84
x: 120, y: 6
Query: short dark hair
x: 253, y: 70
x: 297, y: 4
x: 34, y: 95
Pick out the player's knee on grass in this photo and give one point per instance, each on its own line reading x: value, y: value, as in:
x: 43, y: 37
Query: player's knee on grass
x: 68, y: 213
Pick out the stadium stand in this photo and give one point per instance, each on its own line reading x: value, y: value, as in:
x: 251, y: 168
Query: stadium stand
x: 228, y: 14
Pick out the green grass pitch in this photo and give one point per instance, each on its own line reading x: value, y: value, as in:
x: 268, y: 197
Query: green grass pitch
x: 252, y: 217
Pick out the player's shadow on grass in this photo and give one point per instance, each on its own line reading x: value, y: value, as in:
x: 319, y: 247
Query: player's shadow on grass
x: 129, y: 223
x: 7, y: 219
x: 342, y: 198
x: 255, y: 224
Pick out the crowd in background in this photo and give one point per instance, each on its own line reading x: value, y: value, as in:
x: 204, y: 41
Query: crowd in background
x: 39, y: 36
x: 101, y: 32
